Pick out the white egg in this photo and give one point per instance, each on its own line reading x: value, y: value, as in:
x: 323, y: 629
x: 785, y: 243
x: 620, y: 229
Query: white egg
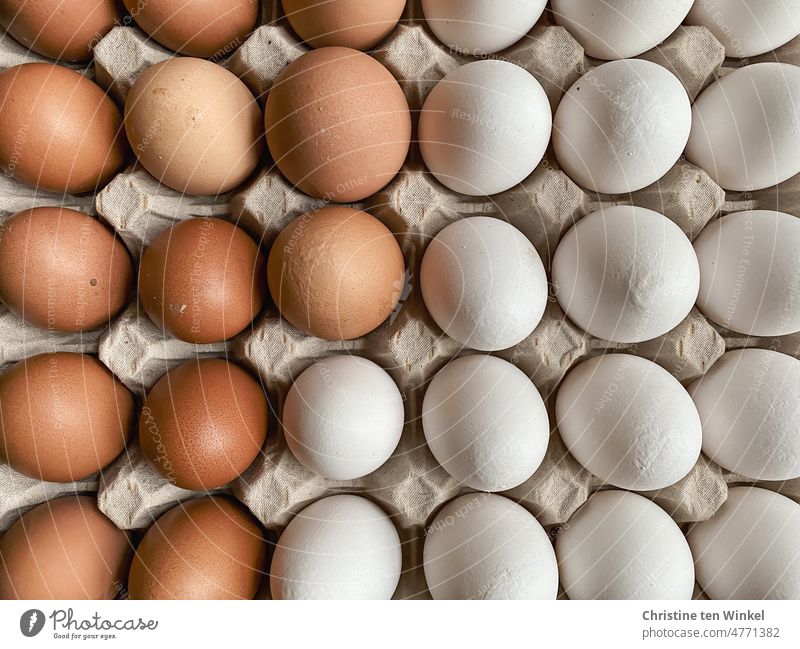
x: 748, y: 27
x: 629, y: 422
x: 750, y: 272
x: 749, y: 404
x: 340, y: 547
x: 485, y: 422
x: 483, y: 546
x: 749, y: 549
x: 746, y: 127
x: 622, y: 126
x: 343, y: 417
x: 478, y: 27
x: 619, y: 545
x: 620, y: 29
x: 626, y: 274
x: 484, y: 127
x: 484, y: 283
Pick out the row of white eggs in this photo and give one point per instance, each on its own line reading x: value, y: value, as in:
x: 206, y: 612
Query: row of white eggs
x: 624, y: 418
x: 621, y: 127
x: 618, y: 545
x: 614, y: 29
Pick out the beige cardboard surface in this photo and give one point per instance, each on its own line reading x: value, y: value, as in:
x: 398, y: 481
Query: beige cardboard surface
x: 410, y: 486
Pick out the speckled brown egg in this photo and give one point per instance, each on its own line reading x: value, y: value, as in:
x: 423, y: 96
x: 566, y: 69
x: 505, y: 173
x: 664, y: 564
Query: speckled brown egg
x: 62, y: 270
x: 207, y: 548
x: 344, y: 23
x: 203, y: 28
x: 202, y: 280
x: 338, y: 124
x: 203, y: 423
x: 63, y: 416
x: 194, y: 126
x: 336, y: 273
x: 60, y: 132
x: 64, y: 549
x: 66, y: 30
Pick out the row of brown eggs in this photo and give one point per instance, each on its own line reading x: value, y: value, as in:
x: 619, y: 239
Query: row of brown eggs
x: 206, y: 548
x: 65, y: 417
x: 202, y: 28
x: 336, y: 273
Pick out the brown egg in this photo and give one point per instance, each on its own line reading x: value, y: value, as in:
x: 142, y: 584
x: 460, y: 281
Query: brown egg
x: 202, y: 280
x: 60, y: 132
x: 64, y: 549
x: 344, y: 23
x: 204, y: 28
x: 338, y: 124
x: 59, y: 29
x: 207, y: 548
x: 63, y: 416
x: 203, y: 423
x: 194, y: 126
x: 336, y: 273
x: 62, y: 270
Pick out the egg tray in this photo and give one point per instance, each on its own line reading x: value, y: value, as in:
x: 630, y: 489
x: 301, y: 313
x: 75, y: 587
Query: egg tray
x: 411, y: 486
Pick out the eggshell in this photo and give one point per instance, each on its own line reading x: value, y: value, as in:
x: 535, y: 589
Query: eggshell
x: 62, y: 270
x: 749, y: 403
x: 344, y: 23
x: 336, y: 273
x: 206, y: 548
x: 479, y: 27
x: 203, y: 423
x: 484, y: 283
x: 745, y: 129
x: 485, y: 422
x: 482, y: 546
x: 203, y: 28
x: 338, y: 124
x: 340, y: 547
x: 621, y: 126
x: 484, y: 127
x: 343, y: 417
x: 629, y: 422
x: 622, y: 546
x: 748, y: 27
x: 619, y: 29
x: 194, y: 126
x: 63, y: 549
x: 749, y: 548
x: 749, y: 272
x: 202, y: 280
x: 59, y: 29
x: 63, y: 416
x: 60, y: 132
x: 626, y: 274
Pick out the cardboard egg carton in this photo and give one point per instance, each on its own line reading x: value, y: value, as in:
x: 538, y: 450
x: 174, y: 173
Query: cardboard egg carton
x: 411, y: 486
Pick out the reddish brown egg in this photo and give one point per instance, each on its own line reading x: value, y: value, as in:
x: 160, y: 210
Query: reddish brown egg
x: 194, y: 125
x: 59, y: 29
x: 64, y: 549
x: 202, y: 280
x: 336, y: 273
x: 62, y: 270
x: 204, y: 28
x: 63, y: 416
x: 60, y: 132
x: 208, y: 548
x: 344, y: 23
x: 338, y: 124
x: 203, y: 423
